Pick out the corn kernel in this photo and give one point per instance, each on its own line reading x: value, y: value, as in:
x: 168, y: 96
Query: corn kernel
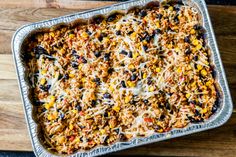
x: 131, y: 83
x: 151, y: 89
x: 103, y: 131
x: 135, y: 55
x: 208, y: 83
x: 52, y: 34
x: 188, y: 95
x: 43, y: 72
x: 49, y: 117
x: 74, y: 111
x: 106, y: 39
x: 192, y: 31
x: 71, y: 126
x: 144, y: 75
x: 111, y: 89
x: 42, y: 81
x: 158, y: 24
x: 204, y: 88
x: 198, y: 47
x: 71, y: 36
x: 158, y: 70
x: 160, y: 130
x: 170, y: 8
x: 52, y: 98
x: 77, y: 140
x: 116, y: 108
x: 195, y: 42
x: 179, y: 70
x: 199, y: 67
x: 83, y: 79
x: 204, y: 110
x: 47, y: 106
x: 131, y: 66
x: 61, y: 139
x: 177, y: 49
x: 133, y: 35
x: 203, y: 72
x: 193, y: 84
x: 144, y: 42
x: 80, y: 66
x: 62, y: 51
x: 84, y: 35
x: 71, y: 75
x: 127, y: 99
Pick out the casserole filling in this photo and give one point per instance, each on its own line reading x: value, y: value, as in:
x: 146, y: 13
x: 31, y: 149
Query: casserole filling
x: 121, y: 77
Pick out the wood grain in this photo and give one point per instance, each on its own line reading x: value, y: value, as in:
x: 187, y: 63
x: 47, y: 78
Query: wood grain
x: 13, y: 130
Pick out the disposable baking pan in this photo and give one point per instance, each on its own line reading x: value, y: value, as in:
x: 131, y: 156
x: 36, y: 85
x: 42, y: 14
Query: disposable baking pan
x: 219, y: 118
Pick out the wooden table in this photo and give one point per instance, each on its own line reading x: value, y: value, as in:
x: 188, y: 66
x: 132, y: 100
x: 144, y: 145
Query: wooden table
x: 13, y: 130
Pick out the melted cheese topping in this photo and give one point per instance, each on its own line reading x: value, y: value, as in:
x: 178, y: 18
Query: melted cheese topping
x: 127, y: 76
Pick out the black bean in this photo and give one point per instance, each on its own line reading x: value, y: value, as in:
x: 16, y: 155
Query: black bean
x: 148, y: 38
x: 84, y: 60
x: 145, y: 101
x: 124, y: 52
x: 193, y: 102
x: 118, y: 32
x: 188, y: 52
x: 62, y: 115
x: 123, y: 137
x: 110, y: 70
x: 66, y: 76
x: 195, y: 58
x: 194, y: 120
x: 215, y: 107
x: 73, y: 52
x: 149, y: 81
x: 197, y: 27
x: 130, y: 32
x: 130, y: 54
x: 162, y: 117
x: 186, y: 39
x: 93, y: 103
x: 78, y: 107
x: 167, y: 105
x: 45, y: 88
x: 97, y: 80
x: 102, y: 35
x: 123, y: 84
x: 105, y: 114
x: 156, y: 127
x: 145, y: 48
x: 107, y: 95
x: 176, y: 19
x: 107, y: 57
x: 37, y: 103
x: 88, y: 32
x: 143, y: 13
x: 97, y: 54
x: 111, y: 18
x: 38, y: 50
x: 197, y: 113
x: 157, y: 31
x: 133, y: 102
x: 75, y: 65
x: 159, y: 16
x: 133, y: 77
x: 81, y: 138
x: 177, y: 9
x: 117, y: 130
x: 180, y: 2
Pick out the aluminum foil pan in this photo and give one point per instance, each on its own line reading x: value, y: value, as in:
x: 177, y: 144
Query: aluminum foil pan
x: 219, y: 118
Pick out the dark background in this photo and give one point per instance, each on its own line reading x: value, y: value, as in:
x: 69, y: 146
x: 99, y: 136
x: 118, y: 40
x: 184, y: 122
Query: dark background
x: 29, y: 154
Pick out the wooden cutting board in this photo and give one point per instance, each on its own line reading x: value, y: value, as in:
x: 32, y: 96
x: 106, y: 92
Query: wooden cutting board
x: 13, y: 131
